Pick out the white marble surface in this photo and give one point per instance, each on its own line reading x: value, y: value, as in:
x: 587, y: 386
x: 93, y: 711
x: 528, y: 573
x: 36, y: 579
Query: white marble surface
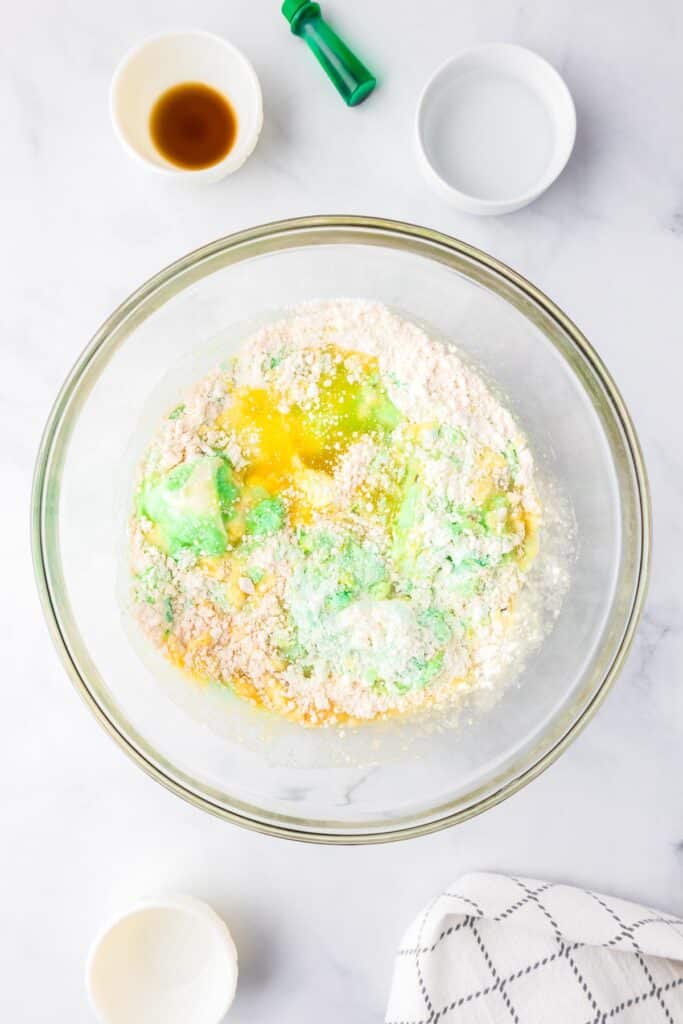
x: 82, y: 828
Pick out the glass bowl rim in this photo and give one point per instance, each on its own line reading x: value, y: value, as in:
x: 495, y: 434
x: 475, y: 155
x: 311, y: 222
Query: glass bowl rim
x: 383, y: 227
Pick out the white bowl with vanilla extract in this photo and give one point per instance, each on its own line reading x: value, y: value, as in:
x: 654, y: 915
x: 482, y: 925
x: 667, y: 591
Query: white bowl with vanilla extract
x: 187, y: 105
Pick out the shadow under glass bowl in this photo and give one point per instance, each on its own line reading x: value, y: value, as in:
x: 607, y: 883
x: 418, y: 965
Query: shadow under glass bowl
x: 379, y: 783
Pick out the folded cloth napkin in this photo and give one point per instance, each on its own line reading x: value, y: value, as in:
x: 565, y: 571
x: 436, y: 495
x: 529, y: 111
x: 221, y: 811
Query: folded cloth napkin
x: 493, y: 948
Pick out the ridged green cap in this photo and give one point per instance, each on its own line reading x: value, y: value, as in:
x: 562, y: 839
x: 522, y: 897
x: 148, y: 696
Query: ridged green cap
x: 293, y: 9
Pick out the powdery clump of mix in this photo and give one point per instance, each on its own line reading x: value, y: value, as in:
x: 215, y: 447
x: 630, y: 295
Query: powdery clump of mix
x: 390, y: 581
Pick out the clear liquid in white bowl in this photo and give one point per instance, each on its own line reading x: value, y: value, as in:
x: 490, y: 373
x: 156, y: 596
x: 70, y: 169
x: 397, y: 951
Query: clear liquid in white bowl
x: 489, y: 135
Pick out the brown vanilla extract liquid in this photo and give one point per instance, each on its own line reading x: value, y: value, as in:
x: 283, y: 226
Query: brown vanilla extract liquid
x: 193, y: 126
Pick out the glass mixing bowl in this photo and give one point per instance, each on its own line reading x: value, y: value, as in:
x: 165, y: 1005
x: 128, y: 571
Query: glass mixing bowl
x: 379, y: 782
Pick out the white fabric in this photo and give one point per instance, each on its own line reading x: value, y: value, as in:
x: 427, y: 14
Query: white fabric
x: 521, y: 951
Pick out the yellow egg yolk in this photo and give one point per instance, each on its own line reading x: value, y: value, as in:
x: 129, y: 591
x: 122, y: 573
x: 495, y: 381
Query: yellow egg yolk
x: 297, y: 446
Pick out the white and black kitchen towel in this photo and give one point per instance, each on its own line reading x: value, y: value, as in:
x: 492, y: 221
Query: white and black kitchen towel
x: 521, y: 951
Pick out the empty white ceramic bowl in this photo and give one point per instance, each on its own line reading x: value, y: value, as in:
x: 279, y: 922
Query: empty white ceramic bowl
x: 495, y: 127
x: 166, y: 60
x: 168, y: 960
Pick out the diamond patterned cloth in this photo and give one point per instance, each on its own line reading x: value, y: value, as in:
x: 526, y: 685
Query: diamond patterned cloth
x: 493, y: 948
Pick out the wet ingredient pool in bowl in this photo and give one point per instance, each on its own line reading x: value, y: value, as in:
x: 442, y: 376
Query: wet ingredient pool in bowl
x: 193, y: 126
x: 489, y: 135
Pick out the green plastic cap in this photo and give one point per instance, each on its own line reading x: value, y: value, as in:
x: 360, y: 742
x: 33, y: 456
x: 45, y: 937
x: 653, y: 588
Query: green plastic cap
x: 293, y: 10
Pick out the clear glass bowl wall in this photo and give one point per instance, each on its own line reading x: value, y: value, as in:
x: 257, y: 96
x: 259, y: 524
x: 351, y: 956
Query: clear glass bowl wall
x: 377, y: 783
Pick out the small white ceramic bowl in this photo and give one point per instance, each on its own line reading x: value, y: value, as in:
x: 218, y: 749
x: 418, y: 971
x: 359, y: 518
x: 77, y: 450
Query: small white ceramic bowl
x: 168, y: 960
x: 495, y: 127
x: 166, y: 60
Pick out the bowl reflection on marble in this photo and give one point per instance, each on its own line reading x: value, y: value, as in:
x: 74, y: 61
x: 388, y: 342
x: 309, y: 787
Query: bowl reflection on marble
x: 394, y: 779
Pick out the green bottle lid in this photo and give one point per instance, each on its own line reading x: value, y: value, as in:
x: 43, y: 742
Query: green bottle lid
x: 293, y: 9
x: 348, y: 74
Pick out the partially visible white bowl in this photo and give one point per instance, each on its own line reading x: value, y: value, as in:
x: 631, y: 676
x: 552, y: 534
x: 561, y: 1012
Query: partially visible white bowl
x: 170, y: 959
x: 495, y: 127
x: 163, y: 61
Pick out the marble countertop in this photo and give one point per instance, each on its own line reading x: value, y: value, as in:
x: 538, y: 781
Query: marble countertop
x: 83, y: 830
